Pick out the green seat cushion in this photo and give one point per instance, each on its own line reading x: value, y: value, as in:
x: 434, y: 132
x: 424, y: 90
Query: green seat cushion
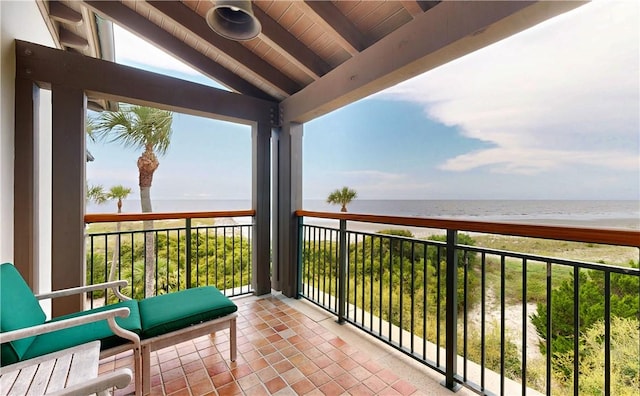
x: 170, y: 312
x: 67, y: 338
x: 19, y: 308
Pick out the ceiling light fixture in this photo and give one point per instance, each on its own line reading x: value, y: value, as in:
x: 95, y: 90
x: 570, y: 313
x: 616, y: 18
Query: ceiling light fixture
x: 233, y: 20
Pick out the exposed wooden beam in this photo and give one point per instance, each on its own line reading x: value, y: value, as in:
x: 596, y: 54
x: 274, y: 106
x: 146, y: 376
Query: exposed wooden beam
x: 64, y: 14
x: 131, y: 20
x: 447, y: 32
x: 413, y: 7
x: 246, y: 59
x: 290, y: 47
x: 116, y: 82
x: 70, y: 39
x: 327, y: 15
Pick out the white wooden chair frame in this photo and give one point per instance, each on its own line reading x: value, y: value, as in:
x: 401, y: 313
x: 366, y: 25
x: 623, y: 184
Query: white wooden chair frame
x: 141, y: 349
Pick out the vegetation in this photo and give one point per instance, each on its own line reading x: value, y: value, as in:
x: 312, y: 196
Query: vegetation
x: 342, y: 197
x: 218, y: 259
x: 144, y: 128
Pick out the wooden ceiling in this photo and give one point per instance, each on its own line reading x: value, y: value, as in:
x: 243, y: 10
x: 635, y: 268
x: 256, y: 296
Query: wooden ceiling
x: 311, y: 56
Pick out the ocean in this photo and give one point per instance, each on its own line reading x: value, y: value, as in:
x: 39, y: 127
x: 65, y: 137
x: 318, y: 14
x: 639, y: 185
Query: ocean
x: 600, y: 213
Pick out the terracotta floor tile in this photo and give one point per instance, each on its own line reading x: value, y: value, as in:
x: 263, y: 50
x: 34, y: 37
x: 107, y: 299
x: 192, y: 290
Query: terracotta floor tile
x: 331, y: 388
x: 372, y: 366
x: 241, y: 371
x: 388, y: 391
x: 201, y: 388
x: 360, y: 390
x: 319, y: 378
x: 217, y: 368
x: 292, y: 376
x: 222, y: 379
x: 170, y: 364
x: 193, y: 366
x: 274, y: 357
x: 259, y: 364
x: 404, y: 387
x: 360, y: 373
x: 283, y: 366
x: 388, y: 376
x: 374, y: 383
x: 172, y: 374
x: 334, y: 370
x: 282, y: 352
x: 312, y: 352
x: 197, y: 376
x: 308, y: 368
x: 175, y: 385
x: 257, y: 390
x: 303, y: 386
x: 181, y: 392
x: 347, y: 381
x: 266, y: 374
x: 249, y: 381
x: 275, y: 384
x: 348, y: 364
x: 229, y: 390
x: 323, y: 361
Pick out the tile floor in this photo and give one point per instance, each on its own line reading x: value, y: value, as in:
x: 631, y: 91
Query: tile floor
x: 285, y: 347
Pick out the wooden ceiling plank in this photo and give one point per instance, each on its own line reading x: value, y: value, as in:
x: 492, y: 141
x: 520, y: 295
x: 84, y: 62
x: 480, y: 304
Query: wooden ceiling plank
x: 131, y: 20
x: 64, y: 14
x: 289, y: 47
x: 190, y: 20
x: 128, y: 84
x: 329, y: 17
x: 445, y: 33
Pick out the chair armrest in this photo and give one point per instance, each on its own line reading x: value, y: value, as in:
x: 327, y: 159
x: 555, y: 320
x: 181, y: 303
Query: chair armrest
x: 100, y: 385
x: 114, y: 285
x: 109, y: 315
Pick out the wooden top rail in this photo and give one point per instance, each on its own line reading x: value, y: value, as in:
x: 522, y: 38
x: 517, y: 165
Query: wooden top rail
x: 117, y: 217
x: 607, y: 236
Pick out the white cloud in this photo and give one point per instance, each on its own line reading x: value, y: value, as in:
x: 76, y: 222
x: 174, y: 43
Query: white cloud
x: 564, y: 93
x: 132, y: 49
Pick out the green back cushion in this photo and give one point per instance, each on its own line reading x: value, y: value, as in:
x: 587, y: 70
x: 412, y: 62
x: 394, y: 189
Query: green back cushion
x: 169, y: 312
x: 67, y: 338
x: 18, y: 309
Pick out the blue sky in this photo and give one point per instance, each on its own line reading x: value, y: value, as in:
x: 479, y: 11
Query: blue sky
x: 551, y: 113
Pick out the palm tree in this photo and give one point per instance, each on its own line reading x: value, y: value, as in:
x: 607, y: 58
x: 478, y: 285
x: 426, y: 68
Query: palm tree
x: 95, y: 193
x: 342, y: 197
x: 141, y: 128
x: 118, y: 192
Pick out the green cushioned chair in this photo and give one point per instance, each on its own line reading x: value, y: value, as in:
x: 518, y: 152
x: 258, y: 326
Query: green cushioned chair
x: 144, y: 326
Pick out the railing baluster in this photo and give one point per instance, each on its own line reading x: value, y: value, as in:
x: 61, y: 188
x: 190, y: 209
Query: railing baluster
x: 576, y: 330
x: 523, y: 373
x: 342, y: 271
x: 607, y: 333
x: 187, y: 242
x: 548, y: 335
x: 452, y: 310
x: 502, y: 320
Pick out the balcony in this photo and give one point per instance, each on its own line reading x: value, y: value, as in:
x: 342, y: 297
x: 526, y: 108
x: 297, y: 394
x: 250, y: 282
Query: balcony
x: 415, y: 321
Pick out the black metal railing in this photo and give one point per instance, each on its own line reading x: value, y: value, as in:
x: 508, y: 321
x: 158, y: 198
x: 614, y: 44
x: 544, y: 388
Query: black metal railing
x: 450, y: 304
x: 171, y: 258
